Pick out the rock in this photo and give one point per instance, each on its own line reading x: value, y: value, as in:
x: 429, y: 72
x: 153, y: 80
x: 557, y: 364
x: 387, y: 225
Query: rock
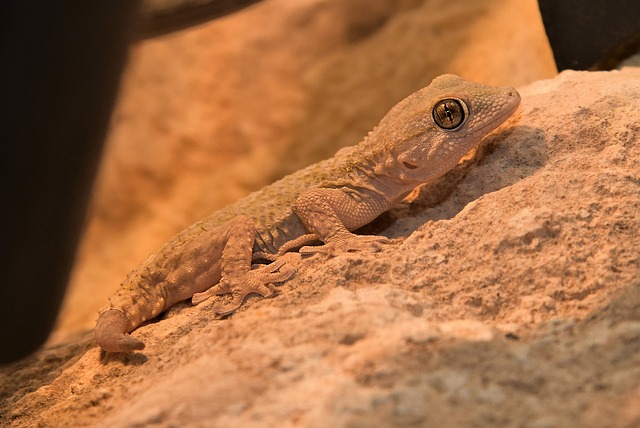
x: 539, y: 238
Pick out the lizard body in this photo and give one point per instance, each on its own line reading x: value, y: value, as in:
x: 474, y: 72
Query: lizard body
x: 420, y: 139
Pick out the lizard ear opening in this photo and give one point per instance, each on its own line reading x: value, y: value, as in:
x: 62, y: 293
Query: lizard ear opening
x: 409, y: 165
x: 449, y: 113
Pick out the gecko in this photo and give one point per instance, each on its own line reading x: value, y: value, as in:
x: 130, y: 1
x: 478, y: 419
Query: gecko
x: 238, y: 250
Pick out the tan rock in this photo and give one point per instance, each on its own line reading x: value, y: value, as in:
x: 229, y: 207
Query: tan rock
x: 511, y: 299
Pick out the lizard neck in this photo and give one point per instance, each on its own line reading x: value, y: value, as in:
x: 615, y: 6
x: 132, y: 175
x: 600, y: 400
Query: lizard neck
x: 364, y: 166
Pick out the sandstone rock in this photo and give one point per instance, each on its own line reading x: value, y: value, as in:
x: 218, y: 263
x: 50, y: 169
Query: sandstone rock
x: 513, y: 301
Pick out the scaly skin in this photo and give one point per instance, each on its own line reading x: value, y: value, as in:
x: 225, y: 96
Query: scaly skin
x: 323, y: 202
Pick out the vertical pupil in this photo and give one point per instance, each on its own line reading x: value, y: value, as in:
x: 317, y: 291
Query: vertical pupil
x: 448, y: 112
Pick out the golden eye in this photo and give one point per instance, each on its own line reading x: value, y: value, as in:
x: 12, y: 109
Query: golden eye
x: 448, y: 113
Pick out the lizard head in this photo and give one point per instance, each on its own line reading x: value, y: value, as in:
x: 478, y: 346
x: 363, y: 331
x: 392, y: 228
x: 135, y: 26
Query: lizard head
x: 427, y: 133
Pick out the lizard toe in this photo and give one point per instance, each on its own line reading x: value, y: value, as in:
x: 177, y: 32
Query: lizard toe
x: 239, y: 295
x: 353, y: 243
x: 277, y: 271
x: 223, y: 287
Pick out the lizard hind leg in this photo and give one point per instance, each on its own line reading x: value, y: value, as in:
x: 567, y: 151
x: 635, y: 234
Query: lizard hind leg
x: 239, y: 286
x: 238, y: 279
x: 112, y: 330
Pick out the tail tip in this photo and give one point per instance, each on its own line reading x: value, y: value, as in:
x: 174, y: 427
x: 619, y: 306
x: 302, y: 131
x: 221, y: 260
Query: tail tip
x: 111, y: 333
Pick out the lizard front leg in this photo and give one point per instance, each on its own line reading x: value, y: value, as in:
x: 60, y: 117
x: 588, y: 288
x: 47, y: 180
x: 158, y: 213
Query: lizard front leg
x: 330, y: 214
x: 237, y: 277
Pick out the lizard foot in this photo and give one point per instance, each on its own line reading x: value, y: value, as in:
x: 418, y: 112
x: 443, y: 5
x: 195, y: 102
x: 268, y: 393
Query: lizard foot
x: 239, y: 286
x: 352, y: 243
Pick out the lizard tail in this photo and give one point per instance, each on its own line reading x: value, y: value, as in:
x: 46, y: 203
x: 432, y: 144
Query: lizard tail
x: 111, y: 332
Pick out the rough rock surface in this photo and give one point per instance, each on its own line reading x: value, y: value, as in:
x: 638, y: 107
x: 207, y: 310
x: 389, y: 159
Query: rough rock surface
x: 511, y: 298
x: 210, y: 114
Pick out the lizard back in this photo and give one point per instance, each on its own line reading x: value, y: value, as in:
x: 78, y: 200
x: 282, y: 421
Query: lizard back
x: 271, y: 208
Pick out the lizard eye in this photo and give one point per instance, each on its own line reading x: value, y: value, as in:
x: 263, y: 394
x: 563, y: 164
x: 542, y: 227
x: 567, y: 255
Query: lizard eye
x: 448, y: 113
